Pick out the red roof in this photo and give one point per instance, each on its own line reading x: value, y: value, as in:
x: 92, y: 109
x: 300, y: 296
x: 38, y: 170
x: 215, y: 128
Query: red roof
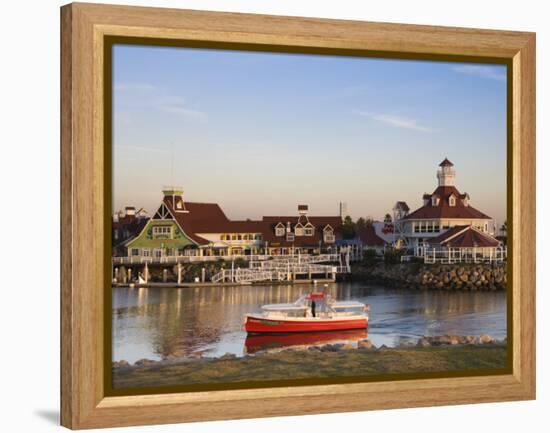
x: 444, y: 210
x: 318, y: 222
x: 446, y: 163
x: 197, y: 218
x: 209, y: 218
x: 465, y: 237
x: 369, y: 237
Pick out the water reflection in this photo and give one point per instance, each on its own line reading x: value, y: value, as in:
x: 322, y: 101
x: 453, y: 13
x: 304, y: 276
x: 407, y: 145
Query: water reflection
x: 179, y: 323
x: 256, y: 343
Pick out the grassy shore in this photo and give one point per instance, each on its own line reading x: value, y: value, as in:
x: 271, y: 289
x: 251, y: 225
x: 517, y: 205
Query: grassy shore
x: 302, y: 364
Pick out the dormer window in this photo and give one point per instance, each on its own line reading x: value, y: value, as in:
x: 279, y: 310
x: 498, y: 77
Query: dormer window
x: 299, y: 230
x: 452, y: 200
x: 162, y: 232
x: 435, y: 200
x: 328, y: 235
x: 280, y: 230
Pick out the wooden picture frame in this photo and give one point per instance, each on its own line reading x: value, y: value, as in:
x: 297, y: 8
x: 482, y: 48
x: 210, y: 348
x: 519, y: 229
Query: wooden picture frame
x: 84, y: 188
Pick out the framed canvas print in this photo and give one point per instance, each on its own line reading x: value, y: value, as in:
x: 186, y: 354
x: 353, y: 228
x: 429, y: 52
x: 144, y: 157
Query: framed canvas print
x: 270, y: 216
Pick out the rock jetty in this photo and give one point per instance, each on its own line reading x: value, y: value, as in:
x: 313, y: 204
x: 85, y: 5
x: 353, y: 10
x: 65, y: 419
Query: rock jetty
x: 470, y: 277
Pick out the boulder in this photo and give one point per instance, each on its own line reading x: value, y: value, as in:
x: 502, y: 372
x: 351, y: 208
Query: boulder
x: 144, y: 362
x: 365, y: 344
x: 423, y: 342
x: 466, y: 339
x: 331, y: 347
x: 121, y: 363
x: 486, y: 339
x: 348, y: 347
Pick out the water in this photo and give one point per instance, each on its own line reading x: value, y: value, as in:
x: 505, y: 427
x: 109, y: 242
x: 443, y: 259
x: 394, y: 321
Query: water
x: 178, y: 323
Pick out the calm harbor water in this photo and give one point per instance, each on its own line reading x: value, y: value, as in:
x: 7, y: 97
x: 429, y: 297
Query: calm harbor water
x: 178, y: 323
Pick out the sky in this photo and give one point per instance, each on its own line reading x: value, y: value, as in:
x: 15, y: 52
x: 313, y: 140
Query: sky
x: 260, y: 133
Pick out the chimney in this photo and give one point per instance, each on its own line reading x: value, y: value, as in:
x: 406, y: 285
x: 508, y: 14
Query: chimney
x: 302, y: 209
x: 175, y: 193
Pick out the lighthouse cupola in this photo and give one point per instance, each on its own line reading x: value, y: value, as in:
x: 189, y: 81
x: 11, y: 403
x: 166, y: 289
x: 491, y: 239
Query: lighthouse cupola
x: 446, y: 173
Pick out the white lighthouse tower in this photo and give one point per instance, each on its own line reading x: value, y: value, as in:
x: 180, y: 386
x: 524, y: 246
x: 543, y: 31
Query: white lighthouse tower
x: 446, y: 174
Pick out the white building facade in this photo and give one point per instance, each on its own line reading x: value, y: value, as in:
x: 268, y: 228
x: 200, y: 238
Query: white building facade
x: 442, y: 210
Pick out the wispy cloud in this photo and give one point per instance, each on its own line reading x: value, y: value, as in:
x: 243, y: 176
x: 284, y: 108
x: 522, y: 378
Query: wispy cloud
x: 487, y: 72
x: 151, y: 97
x: 134, y: 148
x: 177, y: 105
x: 396, y: 121
x: 139, y: 87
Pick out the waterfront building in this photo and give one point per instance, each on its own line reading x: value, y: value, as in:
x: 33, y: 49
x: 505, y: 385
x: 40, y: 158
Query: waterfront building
x: 125, y: 225
x: 442, y: 210
x: 180, y: 228
x: 447, y: 228
x: 464, y: 244
x: 371, y: 238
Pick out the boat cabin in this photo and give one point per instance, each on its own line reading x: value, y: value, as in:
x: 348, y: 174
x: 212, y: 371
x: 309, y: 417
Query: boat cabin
x: 324, y: 307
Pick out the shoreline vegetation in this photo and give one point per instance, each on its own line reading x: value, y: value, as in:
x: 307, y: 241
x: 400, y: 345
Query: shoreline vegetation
x: 433, y: 354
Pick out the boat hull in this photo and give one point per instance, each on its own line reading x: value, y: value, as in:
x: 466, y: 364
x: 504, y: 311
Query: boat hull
x: 263, y: 325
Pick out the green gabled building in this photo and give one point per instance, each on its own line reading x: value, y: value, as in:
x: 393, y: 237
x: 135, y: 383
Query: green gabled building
x: 163, y: 235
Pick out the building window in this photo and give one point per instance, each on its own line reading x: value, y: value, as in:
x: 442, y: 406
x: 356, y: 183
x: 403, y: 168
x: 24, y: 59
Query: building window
x: 134, y: 252
x: 435, y: 200
x: 158, y: 253
x: 308, y: 231
x: 299, y: 231
x: 162, y: 231
x: 452, y: 200
x: 279, y: 231
x: 146, y: 252
x: 329, y: 238
x: 258, y: 237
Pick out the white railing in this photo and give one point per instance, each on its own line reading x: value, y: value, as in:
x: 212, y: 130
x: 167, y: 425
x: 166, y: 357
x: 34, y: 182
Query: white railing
x: 183, y: 259
x: 280, y: 273
x: 464, y: 255
x: 293, y: 258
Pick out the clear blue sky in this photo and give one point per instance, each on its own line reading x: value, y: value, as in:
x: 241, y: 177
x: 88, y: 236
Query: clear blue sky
x: 261, y: 132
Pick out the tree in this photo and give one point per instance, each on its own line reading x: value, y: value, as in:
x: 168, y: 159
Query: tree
x: 349, y: 229
x: 360, y: 224
x: 504, y: 228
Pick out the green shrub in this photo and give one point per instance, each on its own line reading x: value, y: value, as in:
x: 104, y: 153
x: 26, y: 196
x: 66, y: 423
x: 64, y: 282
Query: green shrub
x: 369, y: 258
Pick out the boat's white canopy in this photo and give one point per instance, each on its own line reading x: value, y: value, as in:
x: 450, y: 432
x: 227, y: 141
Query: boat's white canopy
x: 285, y: 307
x: 347, y: 304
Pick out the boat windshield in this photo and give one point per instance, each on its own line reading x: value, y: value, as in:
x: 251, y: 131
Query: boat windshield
x: 289, y: 310
x: 349, y: 309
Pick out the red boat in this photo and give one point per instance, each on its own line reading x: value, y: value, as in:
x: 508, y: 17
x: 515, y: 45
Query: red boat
x: 315, y: 312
